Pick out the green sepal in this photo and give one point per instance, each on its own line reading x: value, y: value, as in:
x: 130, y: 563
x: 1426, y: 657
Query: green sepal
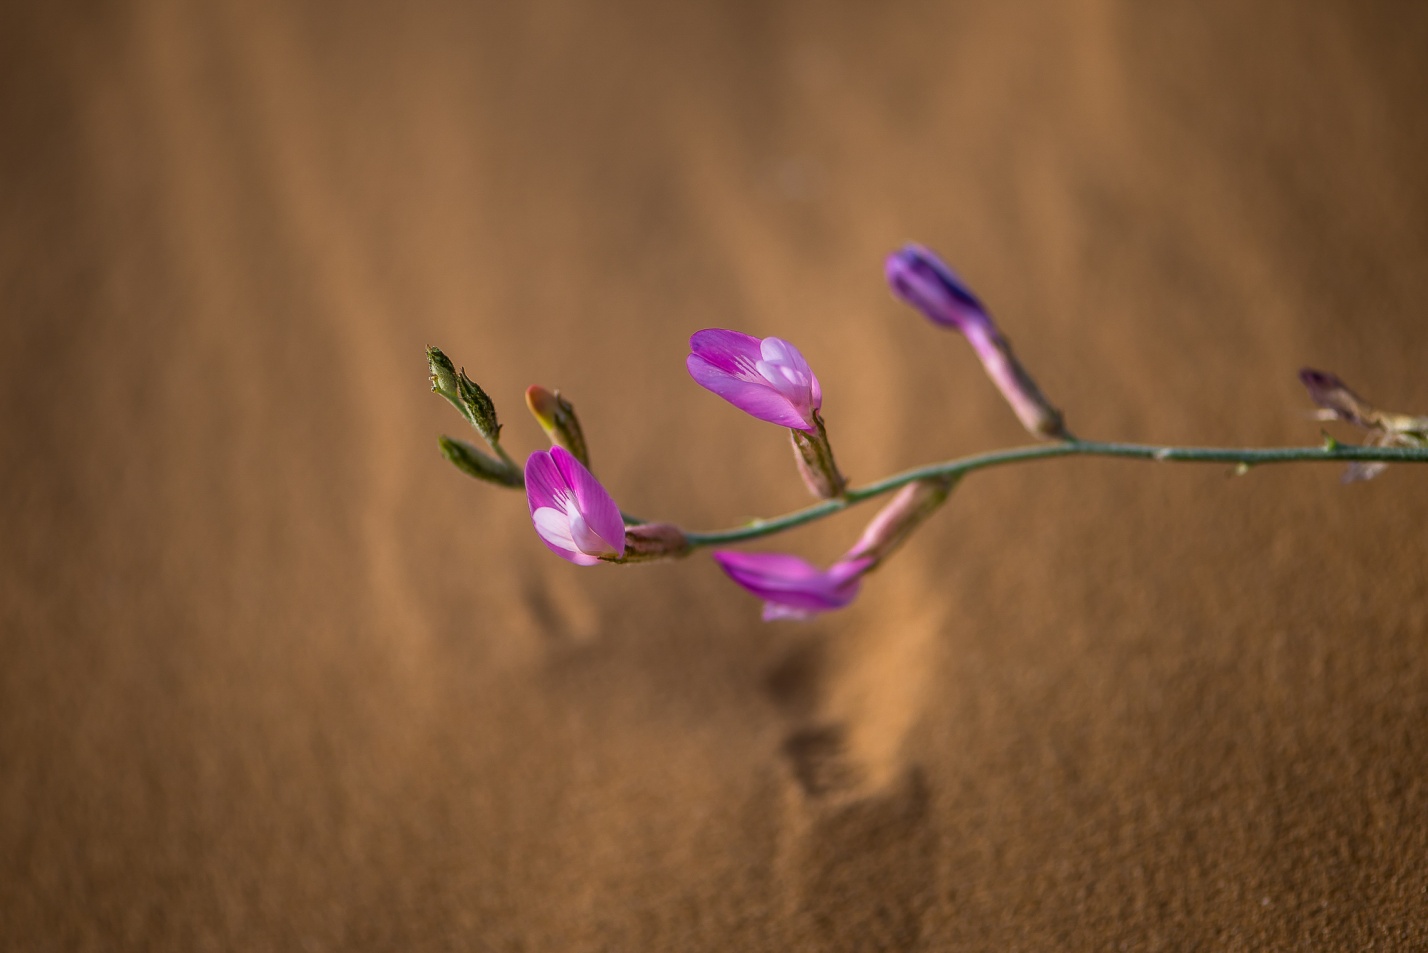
x: 479, y: 408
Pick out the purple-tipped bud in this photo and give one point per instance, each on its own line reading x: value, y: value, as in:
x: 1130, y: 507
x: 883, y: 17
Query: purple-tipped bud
x: 650, y: 541
x: 790, y: 587
x: 903, y: 514
x: 572, y: 512
x: 918, y: 277
x: 767, y: 378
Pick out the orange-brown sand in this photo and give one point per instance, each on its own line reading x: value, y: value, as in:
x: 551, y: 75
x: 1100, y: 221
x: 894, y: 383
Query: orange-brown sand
x: 273, y: 676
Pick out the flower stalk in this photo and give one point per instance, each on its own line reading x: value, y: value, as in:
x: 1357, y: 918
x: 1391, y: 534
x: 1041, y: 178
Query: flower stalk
x: 480, y: 412
x: 770, y: 380
x: 961, y: 466
x: 814, y: 456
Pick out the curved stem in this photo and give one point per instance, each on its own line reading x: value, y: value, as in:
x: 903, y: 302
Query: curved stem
x: 1250, y: 457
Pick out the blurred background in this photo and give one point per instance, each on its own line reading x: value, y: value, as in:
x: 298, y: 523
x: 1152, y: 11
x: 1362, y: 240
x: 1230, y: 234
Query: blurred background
x: 273, y: 675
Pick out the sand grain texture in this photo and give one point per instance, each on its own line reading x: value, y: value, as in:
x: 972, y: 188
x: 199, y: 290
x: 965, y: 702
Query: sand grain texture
x: 273, y: 676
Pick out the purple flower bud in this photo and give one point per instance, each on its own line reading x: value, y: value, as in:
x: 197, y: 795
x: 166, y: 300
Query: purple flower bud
x: 917, y: 276
x: 767, y: 378
x: 790, y: 587
x: 573, y: 514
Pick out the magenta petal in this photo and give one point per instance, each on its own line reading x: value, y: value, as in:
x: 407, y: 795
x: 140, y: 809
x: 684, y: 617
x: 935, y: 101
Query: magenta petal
x: 572, y: 513
x: 791, y: 587
x: 545, y: 484
x: 728, y: 351
x: 593, y: 501
x: 917, y: 276
x: 754, y: 397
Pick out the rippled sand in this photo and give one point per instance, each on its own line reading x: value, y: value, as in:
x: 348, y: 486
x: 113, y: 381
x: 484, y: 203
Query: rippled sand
x: 274, y: 676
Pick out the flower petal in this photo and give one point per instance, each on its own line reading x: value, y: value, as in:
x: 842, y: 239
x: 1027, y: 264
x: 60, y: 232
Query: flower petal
x: 595, y: 505
x: 572, y: 512
x: 553, y: 527
x: 779, y: 351
x: 791, y: 587
x: 756, y: 398
x: 728, y: 351
x: 545, y: 484
x: 917, y: 276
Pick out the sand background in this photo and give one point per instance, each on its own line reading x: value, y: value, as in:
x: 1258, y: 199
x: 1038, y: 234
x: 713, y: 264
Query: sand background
x: 273, y: 676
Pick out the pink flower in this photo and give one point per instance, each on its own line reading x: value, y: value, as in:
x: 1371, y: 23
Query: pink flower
x: 918, y: 277
x: 572, y: 512
x: 767, y: 378
x: 790, y: 587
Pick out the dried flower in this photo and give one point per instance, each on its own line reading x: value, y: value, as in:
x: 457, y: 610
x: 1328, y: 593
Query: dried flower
x: 571, y: 511
x: 1385, y: 428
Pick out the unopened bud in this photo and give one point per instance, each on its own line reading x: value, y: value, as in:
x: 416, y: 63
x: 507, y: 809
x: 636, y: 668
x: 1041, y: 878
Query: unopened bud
x: 919, y: 277
x: 464, y: 394
x: 896, y: 521
x: 443, y: 373
x: 814, y: 456
x: 556, y: 417
x: 650, y: 541
x: 474, y: 463
x: 479, y: 408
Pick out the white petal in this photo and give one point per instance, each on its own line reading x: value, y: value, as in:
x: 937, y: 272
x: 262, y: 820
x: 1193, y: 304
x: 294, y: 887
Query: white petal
x: 554, y: 527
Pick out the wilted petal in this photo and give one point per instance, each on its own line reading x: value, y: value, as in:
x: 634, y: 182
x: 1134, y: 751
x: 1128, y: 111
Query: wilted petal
x: 790, y: 587
x: 1385, y: 428
x: 572, y: 512
x: 1359, y: 472
x: 1333, y: 395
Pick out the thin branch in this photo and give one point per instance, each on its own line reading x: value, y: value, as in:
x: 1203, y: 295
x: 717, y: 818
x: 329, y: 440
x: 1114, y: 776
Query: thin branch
x: 1330, y: 453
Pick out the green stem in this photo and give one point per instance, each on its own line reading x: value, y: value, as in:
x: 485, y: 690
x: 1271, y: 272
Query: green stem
x: 1337, y: 453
